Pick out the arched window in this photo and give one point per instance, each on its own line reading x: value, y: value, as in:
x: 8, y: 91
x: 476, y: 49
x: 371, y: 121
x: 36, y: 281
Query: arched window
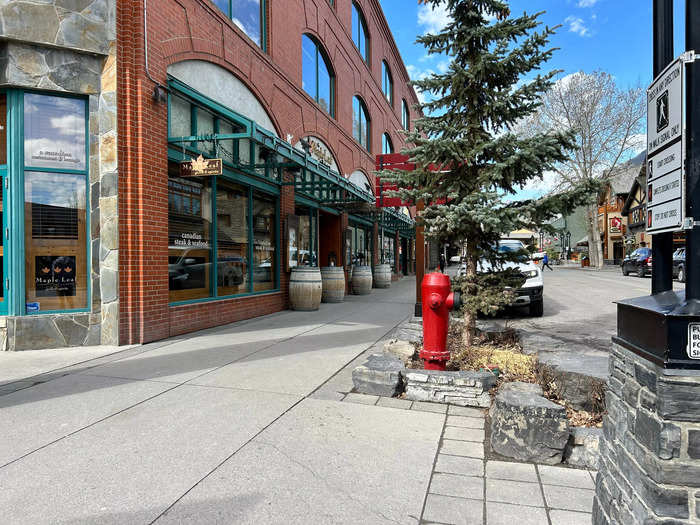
x: 405, y: 115
x: 387, y: 146
x: 360, y: 123
x: 317, y: 76
x: 359, y: 179
x: 360, y: 35
x: 248, y: 16
x: 387, y: 83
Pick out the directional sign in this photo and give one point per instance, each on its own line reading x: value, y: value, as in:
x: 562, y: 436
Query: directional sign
x: 665, y: 166
x: 693, y: 348
x: 665, y: 108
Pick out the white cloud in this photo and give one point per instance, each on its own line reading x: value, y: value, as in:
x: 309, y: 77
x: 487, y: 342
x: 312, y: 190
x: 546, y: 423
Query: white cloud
x: 586, y: 3
x: 417, y: 73
x: 433, y: 20
x: 576, y: 25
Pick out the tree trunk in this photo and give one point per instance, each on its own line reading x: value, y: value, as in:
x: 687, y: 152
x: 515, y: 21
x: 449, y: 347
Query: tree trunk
x: 591, y: 228
x: 598, y: 245
x: 469, y: 332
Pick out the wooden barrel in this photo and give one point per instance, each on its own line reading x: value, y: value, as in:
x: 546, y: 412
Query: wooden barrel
x: 333, y: 280
x: 362, y: 280
x: 305, y: 288
x: 382, y: 276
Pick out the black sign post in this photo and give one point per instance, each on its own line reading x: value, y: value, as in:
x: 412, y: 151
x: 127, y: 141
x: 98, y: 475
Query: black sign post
x: 664, y: 328
x: 662, y: 243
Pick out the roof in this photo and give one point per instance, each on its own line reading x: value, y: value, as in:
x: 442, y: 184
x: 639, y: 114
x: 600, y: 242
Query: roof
x: 622, y: 177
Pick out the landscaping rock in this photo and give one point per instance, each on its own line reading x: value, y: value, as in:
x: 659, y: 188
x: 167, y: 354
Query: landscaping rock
x: 582, y: 450
x: 528, y: 427
x: 379, y: 376
x: 401, y: 349
x: 464, y: 388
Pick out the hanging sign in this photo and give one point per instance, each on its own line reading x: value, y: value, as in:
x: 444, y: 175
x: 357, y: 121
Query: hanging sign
x: 201, y: 167
x: 615, y: 225
x: 665, y: 166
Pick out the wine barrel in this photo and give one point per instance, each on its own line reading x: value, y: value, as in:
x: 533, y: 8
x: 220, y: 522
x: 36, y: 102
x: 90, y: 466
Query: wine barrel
x: 382, y: 276
x: 305, y: 288
x: 333, y: 280
x: 362, y: 280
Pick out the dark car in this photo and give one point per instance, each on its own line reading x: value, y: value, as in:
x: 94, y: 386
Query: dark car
x: 639, y: 262
x: 679, y: 264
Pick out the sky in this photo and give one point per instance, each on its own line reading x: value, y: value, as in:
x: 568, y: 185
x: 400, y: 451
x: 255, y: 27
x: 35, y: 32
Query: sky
x: 609, y: 35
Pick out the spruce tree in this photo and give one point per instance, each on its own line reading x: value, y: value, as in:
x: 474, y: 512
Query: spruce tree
x: 470, y: 161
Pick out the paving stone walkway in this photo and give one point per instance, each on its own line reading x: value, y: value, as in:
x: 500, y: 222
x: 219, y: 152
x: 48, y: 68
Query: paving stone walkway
x: 466, y: 488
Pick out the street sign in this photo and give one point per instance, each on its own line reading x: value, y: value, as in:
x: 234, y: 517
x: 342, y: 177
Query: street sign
x: 693, y: 340
x: 665, y: 166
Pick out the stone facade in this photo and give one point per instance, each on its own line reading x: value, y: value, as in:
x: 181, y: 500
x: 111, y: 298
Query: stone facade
x: 649, y: 469
x: 70, y: 47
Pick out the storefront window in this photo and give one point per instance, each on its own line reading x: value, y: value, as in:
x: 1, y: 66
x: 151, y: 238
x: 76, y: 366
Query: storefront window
x: 3, y: 129
x: 180, y: 117
x: 55, y: 209
x: 55, y: 240
x: 362, y: 251
x: 54, y: 132
x: 308, y: 228
x: 205, y: 126
x: 232, y: 238
x: 389, y: 250
x: 264, y: 263
x: 189, y: 236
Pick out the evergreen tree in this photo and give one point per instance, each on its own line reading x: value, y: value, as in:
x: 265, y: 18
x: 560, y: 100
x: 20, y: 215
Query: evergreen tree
x: 470, y: 162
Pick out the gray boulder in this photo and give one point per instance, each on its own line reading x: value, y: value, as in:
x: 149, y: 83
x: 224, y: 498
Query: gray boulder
x: 379, y: 376
x: 582, y: 450
x: 401, y: 349
x: 528, y: 427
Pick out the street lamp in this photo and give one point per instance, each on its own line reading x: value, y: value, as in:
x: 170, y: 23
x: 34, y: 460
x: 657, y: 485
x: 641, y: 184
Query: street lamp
x: 541, y: 241
x: 568, y: 245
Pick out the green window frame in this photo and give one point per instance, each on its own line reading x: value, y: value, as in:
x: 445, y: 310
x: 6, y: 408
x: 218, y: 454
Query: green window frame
x: 241, y: 151
x: 320, y: 60
x: 360, y: 35
x: 361, y: 123
x: 232, y: 8
x: 405, y: 115
x: 13, y: 175
x: 387, y: 83
x: 387, y: 145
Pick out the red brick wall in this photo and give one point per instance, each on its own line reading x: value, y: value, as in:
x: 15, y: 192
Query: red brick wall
x: 195, y: 29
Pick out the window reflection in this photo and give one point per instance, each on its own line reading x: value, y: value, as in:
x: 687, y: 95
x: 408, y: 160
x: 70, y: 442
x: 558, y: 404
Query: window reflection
x: 247, y: 16
x: 54, y: 132
x: 189, y: 236
x: 232, y: 238
x: 55, y: 240
x: 263, y: 243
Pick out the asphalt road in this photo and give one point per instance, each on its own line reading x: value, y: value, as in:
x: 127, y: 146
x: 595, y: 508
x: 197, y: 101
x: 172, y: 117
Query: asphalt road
x: 579, y: 305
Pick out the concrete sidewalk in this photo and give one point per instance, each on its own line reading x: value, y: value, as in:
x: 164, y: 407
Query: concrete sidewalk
x: 239, y: 424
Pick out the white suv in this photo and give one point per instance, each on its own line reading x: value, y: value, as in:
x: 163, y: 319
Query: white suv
x: 530, y: 294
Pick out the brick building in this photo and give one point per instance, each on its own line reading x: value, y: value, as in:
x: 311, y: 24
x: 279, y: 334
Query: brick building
x: 296, y: 98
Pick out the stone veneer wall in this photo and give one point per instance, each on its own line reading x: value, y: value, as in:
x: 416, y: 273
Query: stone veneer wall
x: 70, y: 46
x: 650, y: 453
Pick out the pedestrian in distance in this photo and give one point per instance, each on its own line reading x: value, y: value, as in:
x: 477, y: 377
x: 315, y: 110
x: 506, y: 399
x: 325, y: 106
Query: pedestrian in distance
x: 442, y: 263
x: 545, y: 262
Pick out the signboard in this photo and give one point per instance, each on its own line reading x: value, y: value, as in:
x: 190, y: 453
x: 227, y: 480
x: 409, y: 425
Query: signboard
x: 201, y: 167
x: 665, y: 166
x: 615, y: 225
x: 693, y: 348
x: 54, y: 275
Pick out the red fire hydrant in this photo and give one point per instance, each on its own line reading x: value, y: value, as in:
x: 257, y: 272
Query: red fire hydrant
x: 437, y: 303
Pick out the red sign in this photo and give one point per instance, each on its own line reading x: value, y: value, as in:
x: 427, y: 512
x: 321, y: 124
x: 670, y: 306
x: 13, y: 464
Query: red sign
x: 398, y: 162
x: 615, y: 225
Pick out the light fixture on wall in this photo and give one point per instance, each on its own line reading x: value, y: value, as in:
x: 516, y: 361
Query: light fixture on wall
x: 160, y: 94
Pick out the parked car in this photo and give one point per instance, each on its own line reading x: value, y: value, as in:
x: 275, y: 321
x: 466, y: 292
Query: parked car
x: 679, y: 264
x: 530, y: 294
x: 639, y: 262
